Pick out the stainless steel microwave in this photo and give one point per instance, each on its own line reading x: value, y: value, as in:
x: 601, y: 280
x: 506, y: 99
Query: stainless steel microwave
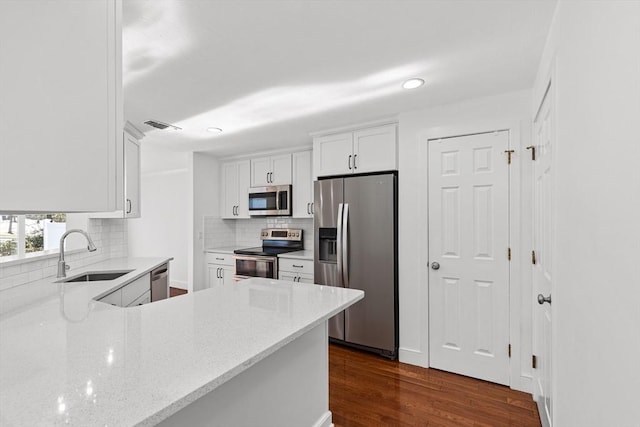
x: 270, y: 201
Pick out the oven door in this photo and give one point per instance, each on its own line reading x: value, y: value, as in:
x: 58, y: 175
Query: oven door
x: 256, y: 266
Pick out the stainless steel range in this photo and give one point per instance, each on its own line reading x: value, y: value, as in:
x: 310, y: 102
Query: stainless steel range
x: 262, y: 261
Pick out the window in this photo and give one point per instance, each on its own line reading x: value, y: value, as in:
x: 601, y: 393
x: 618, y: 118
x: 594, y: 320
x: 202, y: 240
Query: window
x: 23, y: 235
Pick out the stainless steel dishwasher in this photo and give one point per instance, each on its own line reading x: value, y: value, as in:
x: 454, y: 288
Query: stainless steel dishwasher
x: 160, y: 283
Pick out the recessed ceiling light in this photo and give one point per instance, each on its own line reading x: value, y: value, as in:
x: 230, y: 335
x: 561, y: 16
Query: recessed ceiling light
x: 412, y: 83
x: 214, y: 130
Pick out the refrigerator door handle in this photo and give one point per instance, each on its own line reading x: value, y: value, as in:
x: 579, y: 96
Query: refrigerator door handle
x: 339, y: 238
x: 345, y: 246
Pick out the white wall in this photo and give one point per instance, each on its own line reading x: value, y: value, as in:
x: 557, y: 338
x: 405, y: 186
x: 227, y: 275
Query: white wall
x: 595, y: 47
x: 414, y: 126
x: 162, y: 230
x: 204, y: 189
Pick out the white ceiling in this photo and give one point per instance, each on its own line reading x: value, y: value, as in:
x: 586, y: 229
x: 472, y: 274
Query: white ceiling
x: 270, y: 72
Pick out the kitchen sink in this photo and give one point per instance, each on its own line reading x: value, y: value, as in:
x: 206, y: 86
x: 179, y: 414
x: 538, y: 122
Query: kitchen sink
x: 96, y: 276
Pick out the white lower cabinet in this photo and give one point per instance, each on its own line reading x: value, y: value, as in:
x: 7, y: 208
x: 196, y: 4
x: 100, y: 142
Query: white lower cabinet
x: 295, y: 270
x: 134, y: 293
x: 220, y: 269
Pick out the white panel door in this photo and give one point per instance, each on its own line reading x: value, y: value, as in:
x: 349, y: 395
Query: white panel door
x: 302, y: 198
x: 469, y: 239
x: 374, y: 149
x: 543, y: 244
x: 333, y: 154
x: 260, y: 171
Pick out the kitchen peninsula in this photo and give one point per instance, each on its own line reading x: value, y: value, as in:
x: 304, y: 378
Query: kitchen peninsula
x: 251, y: 353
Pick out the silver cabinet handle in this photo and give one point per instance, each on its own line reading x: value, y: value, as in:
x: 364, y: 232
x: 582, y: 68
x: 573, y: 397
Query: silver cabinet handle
x: 128, y: 206
x: 312, y: 205
x: 219, y: 273
x: 355, y: 156
x: 308, y: 207
x: 542, y: 299
x: 435, y: 265
x: 297, y: 266
x: 350, y: 156
x: 221, y: 259
x: 267, y: 177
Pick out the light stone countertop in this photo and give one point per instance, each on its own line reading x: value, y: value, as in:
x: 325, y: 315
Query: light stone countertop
x: 222, y: 249
x: 306, y: 254
x: 66, y: 359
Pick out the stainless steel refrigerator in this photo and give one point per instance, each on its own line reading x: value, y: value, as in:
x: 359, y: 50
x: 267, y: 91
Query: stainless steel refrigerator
x: 355, y: 226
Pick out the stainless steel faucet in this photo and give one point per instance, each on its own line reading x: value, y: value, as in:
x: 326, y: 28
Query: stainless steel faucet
x: 62, y: 266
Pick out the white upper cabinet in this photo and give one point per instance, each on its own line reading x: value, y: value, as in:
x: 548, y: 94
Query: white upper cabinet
x: 333, y: 154
x: 60, y: 104
x: 366, y: 150
x: 131, y: 176
x: 128, y: 197
x: 374, y: 149
x: 302, y: 198
x: 272, y: 170
x: 234, y: 190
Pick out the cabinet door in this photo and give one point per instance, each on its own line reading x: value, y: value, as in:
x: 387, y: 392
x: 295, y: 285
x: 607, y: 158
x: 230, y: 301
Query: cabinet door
x: 132, y: 177
x: 213, y: 275
x: 244, y: 176
x: 229, y: 190
x: 227, y: 273
x: 260, y: 172
x: 280, y: 170
x: 114, y: 298
x: 375, y: 149
x: 302, y: 185
x: 61, y: 104
x: 333, y: 154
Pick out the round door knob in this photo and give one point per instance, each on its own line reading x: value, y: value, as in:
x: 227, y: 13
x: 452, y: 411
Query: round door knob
x: 435, y: 265
x: 542, y: 299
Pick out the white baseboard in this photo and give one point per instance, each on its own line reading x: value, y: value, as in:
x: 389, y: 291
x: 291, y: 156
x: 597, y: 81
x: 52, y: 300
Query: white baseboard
x: 413, y: 357
x: 325, y: 420
x: 179, y: 284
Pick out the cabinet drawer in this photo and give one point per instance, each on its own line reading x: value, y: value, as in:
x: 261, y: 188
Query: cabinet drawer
x: 136, y: 288
x: 218, y: 258
x: 295, y: 277
x: 296, y: 265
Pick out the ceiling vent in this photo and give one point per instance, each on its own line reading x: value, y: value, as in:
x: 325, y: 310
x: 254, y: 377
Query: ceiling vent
x: 161, y: 125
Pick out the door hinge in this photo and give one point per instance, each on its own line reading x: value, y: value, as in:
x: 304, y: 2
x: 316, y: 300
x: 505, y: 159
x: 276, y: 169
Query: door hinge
x: 533, y: 151
x: 509, y: 152
x: 509, y: 254
x: 534, y: 362
x: 509, y: 350
x: 533, y: 257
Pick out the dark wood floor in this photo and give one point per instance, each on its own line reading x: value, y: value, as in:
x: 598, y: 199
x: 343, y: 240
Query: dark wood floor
x: 367, y: 390
x: 174, y: 292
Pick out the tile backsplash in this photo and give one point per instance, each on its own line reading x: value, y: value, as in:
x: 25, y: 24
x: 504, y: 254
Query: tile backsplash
x: 109, y: 236
x: 246, y: 232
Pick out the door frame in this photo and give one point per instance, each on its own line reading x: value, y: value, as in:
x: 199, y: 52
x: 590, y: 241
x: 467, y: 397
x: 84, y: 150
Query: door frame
x: 520, y: 379
x: 545, y: 90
